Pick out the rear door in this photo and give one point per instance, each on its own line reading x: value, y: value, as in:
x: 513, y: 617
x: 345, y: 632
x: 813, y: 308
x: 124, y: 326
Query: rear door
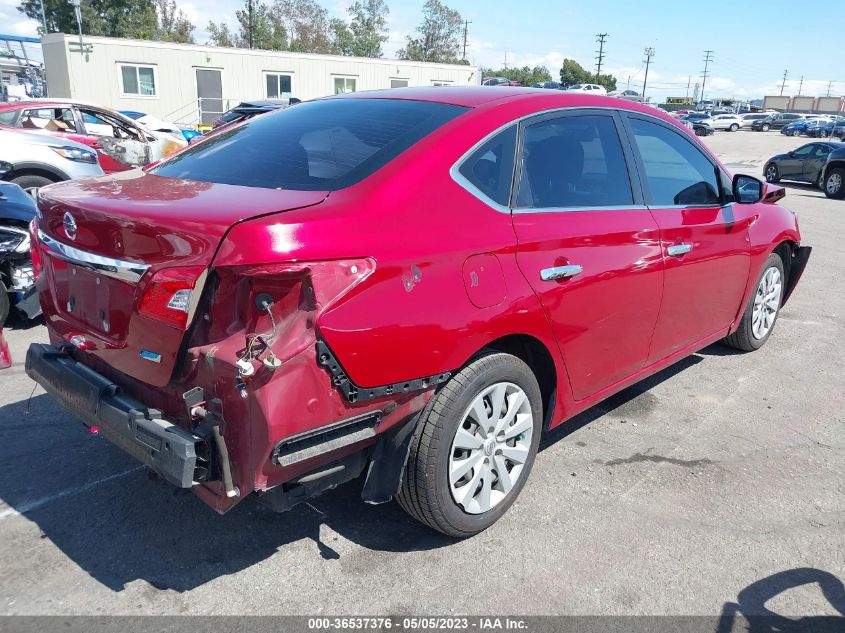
x: 703, y: 235
x: 815, y: 162
x: 587, y: 245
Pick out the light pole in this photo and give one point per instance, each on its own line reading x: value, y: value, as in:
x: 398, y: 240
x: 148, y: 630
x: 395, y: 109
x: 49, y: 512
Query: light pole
x: 43, y: 18
x: 77, y: 8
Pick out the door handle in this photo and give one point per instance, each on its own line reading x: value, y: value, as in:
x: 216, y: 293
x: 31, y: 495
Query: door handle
x: 560, y: 272
x: 676, y: 250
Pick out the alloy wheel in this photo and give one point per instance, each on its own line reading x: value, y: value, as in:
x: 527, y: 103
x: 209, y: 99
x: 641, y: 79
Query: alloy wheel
x: 834, y: 183
x: 766, y: 303
x: 491, y: 445
x: 771, y: 173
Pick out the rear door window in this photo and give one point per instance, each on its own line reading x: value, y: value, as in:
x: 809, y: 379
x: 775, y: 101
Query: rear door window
x: 322, y: 145
x: 573, y: 162
x: 676, y: 172
x: 490, y: 168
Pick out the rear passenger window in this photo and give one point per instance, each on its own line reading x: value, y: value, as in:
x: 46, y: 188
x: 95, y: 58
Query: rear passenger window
x: 573, y: 162
x: 490, y: 168
x: 677, y: 172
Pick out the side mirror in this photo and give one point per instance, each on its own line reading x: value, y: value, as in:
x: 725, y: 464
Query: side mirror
x: 5, y: 168
x: 747, y: 189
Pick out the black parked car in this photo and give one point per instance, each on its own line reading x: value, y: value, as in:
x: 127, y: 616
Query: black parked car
x: 17, y: 209
x: 701, y: 128
x: 776, y: 121
x: 548, y: 85
x: 805, y: 164
x: 249, y: 109
x: 833, y: 175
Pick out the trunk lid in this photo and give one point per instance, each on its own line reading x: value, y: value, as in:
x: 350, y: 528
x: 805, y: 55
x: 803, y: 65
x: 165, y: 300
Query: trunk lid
x: 104, y: 239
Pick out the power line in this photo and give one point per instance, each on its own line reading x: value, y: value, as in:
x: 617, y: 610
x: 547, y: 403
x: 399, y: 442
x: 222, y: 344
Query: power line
x: 600, y: 37
x: 708, y: 57
x: 783, y: 85
x: 649, y: 53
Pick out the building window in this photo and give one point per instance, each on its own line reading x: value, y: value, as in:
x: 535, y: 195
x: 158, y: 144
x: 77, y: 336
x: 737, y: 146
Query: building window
x: 398, y: 83
x: 441, y: 83
x: 138, y: 81
x: 344, y: 84
x: 278, y: 86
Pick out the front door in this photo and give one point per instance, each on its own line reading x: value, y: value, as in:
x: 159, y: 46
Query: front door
x: 704, y: 237
x: 587, y: 245
x: 209, y: 94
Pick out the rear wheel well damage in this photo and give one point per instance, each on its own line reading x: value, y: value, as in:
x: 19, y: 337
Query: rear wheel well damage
x: 536, y: 355
x: 390, y: 453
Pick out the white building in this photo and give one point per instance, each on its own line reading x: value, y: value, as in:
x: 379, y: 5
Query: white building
x: 189, y: 84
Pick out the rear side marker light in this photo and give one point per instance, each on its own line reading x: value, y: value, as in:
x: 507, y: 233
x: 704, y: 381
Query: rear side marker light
x: 168, y: 295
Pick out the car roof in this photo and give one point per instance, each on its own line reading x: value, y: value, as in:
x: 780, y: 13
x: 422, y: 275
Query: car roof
x: 476, y: 96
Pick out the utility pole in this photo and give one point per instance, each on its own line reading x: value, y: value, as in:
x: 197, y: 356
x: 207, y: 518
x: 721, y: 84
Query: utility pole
x: 466, y: 29
x: 800, y: 85
x: 649, y: 53
x: 689, y: 81
x: 250, y: 25
x: 43, y: 18
x: 600, y: 37
x: 708, y: 57
x: 783, y: 84
x: 506, y: 60
x: 829, y: 83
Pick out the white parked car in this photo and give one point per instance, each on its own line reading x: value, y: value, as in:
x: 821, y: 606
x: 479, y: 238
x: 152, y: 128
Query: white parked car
x: 591, y: 89
x: 730, y: 122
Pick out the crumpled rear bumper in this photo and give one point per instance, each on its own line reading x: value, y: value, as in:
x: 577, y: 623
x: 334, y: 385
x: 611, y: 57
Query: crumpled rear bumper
x: 177, y: 455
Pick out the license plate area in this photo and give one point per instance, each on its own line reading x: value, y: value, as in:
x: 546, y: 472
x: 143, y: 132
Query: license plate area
x: 101, y: 303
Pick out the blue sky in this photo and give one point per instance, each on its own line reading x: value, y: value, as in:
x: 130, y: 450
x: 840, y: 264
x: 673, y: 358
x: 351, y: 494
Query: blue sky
x: 752, y: 44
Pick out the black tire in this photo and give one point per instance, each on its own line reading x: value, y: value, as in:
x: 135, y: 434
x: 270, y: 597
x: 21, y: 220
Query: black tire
x: 837, y: 194
x: 822, y: 134
x: 31, y: 183
x: 765, y: 127
x: 4, y: 304
x: 743, y: 339
x: 734, y: 127
x: 425, y: 493
x: 820, y: 180
x: 771, y: 173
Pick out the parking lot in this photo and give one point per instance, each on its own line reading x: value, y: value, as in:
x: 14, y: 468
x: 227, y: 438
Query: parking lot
x: 708, y: 489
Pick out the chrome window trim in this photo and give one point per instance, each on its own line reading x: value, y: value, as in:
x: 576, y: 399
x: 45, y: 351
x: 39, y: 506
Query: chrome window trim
x: 621, y: 207
x: 459, y: 178
x: 108, y: 266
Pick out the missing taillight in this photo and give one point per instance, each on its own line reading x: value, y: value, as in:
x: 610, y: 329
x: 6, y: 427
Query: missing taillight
x: 169, y: 295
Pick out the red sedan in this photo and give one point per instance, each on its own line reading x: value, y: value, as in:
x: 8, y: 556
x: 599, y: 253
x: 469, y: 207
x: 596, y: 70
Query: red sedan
x: 412, y: 284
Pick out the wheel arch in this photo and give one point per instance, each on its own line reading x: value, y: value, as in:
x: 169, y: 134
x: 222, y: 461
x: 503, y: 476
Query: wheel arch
x: 534, y: 353
x: 35, y: 169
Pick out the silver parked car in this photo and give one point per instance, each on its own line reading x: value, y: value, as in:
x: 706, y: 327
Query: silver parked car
x: 730, y: 122
x: 747, y: 120
x: 38, y: 160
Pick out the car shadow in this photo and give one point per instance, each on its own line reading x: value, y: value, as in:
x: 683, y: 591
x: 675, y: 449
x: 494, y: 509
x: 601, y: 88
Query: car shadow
x: 751, y: 614
x: 99, y: 507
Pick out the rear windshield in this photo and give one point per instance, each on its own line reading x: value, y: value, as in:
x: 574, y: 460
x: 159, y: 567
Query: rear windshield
x: 322, y: 145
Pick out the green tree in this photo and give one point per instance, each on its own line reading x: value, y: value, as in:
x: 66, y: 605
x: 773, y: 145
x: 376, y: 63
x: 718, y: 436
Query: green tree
x: 438, y: 36
x: 139, y: 19
x: 173, y: 25
x: 574, y: 73
x: 111, y: 18
x: 307, y: 26
x: 366, y: 31
x: 525, y: 75
x: 258, y: 27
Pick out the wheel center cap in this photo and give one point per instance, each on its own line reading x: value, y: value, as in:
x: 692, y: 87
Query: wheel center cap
x: 489, y: 446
